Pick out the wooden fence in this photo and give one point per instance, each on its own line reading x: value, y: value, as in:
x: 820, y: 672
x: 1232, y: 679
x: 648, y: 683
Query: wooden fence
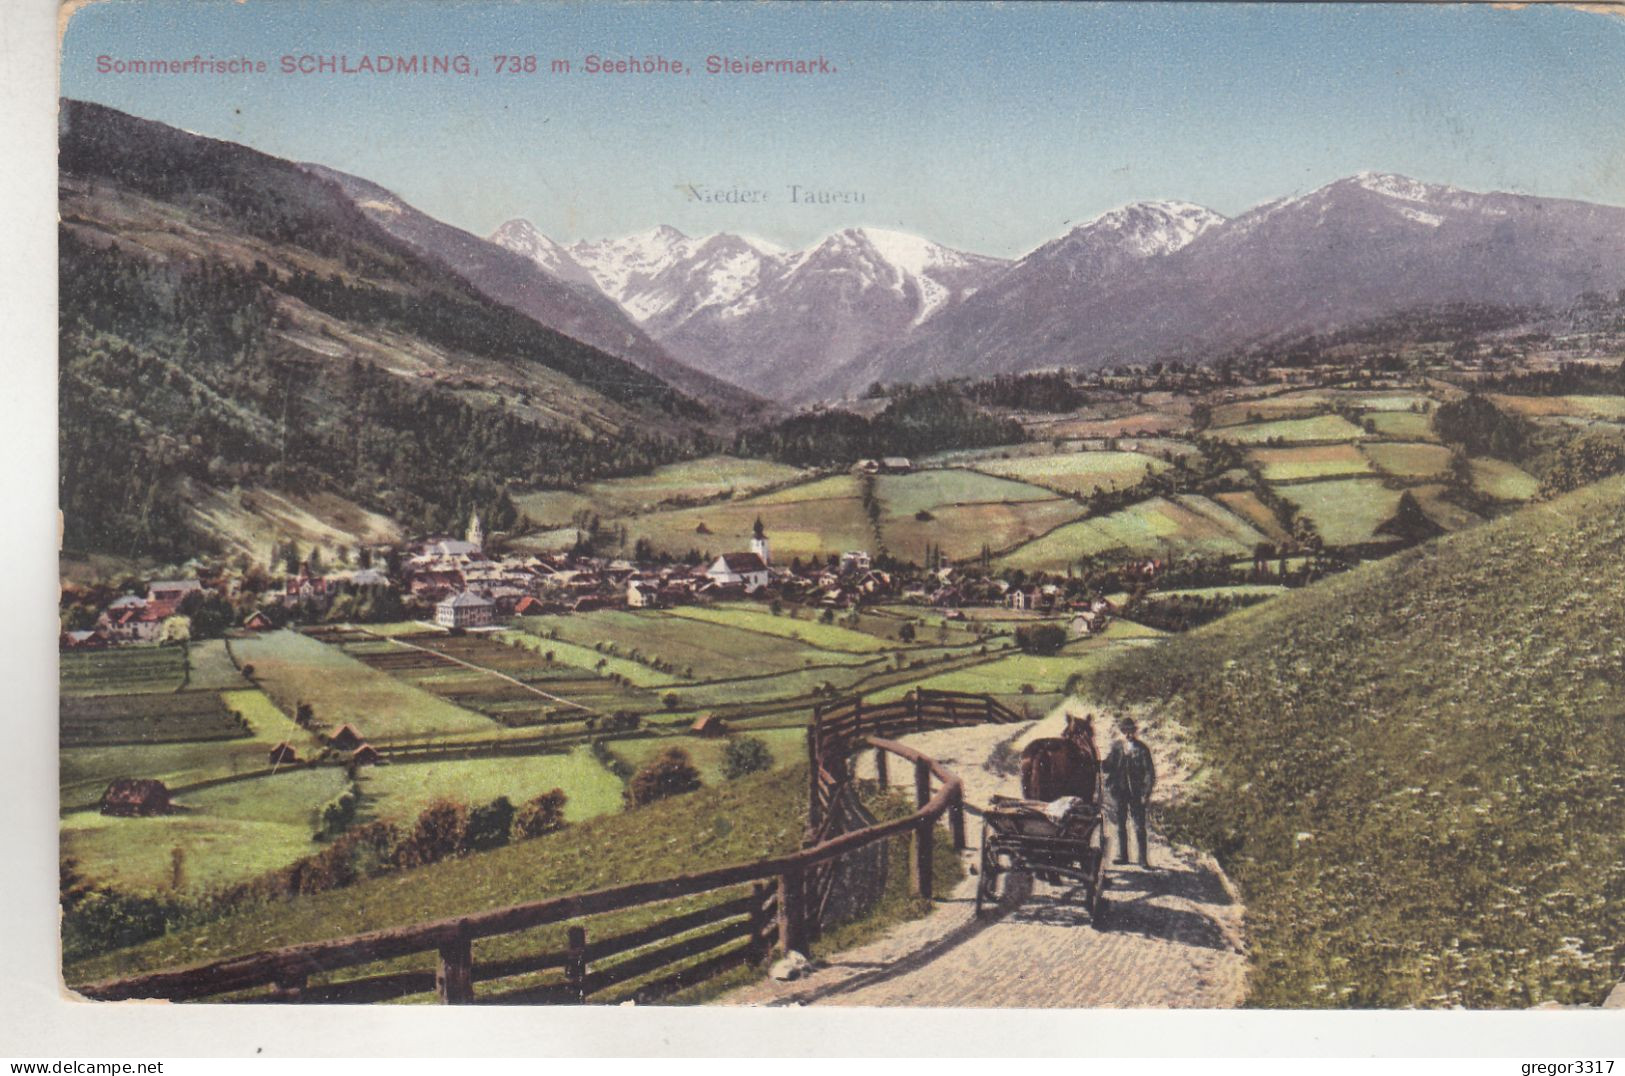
x: 744, y: 911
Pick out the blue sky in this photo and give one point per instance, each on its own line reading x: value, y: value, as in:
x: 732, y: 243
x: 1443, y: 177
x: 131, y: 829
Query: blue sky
x: 991, y: 128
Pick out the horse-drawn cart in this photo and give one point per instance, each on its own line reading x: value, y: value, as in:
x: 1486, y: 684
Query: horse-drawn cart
x: 1057, y: 831
x: 1024, y: 836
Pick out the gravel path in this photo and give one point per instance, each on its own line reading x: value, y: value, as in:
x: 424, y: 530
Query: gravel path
x: 1173, y: 936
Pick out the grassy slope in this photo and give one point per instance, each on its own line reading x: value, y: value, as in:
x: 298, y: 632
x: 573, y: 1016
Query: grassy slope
x: 1415, y: 768
x: 731, y: 822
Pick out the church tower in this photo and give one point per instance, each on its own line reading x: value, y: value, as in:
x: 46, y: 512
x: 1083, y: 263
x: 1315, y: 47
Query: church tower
x: 476, y: 533
x: 758, y: 544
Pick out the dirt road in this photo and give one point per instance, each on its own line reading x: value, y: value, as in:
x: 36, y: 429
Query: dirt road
x: 1173, y: 937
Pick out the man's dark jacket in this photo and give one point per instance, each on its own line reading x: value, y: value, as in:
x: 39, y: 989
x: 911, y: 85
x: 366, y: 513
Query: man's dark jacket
x: 1130, y: 773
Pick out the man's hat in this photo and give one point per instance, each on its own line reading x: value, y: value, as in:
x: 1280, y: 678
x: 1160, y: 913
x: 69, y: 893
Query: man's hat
x: 1128, y: 725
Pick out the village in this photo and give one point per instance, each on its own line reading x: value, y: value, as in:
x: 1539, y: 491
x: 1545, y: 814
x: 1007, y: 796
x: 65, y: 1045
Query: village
x: 456, y: 584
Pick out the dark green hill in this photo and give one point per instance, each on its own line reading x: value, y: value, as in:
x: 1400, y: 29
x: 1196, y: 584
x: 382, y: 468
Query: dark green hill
x: 230, y: 320
x: 1416, y: 771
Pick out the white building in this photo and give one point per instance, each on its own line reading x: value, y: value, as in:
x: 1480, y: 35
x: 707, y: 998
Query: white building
x: 743, y: 568
x: 464, y: 610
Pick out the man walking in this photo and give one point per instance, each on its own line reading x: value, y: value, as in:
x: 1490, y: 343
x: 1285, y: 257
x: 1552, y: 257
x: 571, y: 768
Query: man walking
x: 1130, y: 777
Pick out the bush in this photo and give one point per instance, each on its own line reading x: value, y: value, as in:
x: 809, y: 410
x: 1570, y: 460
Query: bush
x: 905, y: 633
x: 337, y: 813
x: 670, y: 700
x: 670, y: 773
x: 489, y: 826
x: 1042, y: 639
x: 544, y: 814
x: 745, y: 755
x: 441, y: 831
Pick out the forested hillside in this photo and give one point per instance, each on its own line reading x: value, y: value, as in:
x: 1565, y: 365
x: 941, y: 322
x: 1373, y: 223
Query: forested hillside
x: 230, y: 321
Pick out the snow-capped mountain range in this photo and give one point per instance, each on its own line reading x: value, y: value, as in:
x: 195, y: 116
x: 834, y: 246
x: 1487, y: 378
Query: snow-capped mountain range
x: 754, y: 313
x: 1147, y: 280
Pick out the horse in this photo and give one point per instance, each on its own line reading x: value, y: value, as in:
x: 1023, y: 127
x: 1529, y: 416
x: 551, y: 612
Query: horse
x: 1065, y: 765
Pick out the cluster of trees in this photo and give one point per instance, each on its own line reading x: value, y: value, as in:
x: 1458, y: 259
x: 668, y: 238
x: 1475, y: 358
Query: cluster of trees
x: 1052, y: 392
x: 1569, y: 379
x: 1182, y: 612
x: 1582, y: 461
x: 1481, y: 428
x: 916, y: 421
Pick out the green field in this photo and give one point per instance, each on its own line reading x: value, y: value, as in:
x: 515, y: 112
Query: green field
x: 174, y: 717
x: 400, y: 791
x: 787, y: 746
x: 692, y: 480
x: 729, y: 823
x: 1077, y: 472
x: 903, y: 495
x: 801, y: 626
x: 1270, y: 409
x: 811, y: 519
x: 1346, y: 511
x: 1171, y: 526
x: 1248, y: 507
x: 293, y: 668
x: 122, y: 671
x: 1602, y: 407
x: 1416, y: 764
x: 1408, y: 460
x: 228, y: 833
x: 1314, y: 461
x: 1402, y: 425
x: 712, y: 650
x: 1502, y: 481
x: 1293, y: 431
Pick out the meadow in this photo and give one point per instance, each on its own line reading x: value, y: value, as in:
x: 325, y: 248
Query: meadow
x: 691, y: 480
x: 1502, y: 481
x: 1416, y: 764
x: 1316, y: 461
x: 1346, y: 511
x: 130, y: 670
x: 293, y: 668
x: 1077, y: 472
x: 1292, y: 431
x: 1406, y: 461
x: 1161, y: 526
x: 1402, y: 425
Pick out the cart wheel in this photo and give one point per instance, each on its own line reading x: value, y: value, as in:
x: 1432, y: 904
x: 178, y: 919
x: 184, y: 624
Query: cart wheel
x: 987, y: 885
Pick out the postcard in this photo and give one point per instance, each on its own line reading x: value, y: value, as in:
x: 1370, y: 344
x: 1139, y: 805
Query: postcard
x: 936, y: 506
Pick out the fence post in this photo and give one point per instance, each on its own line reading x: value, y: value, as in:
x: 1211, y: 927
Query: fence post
x: 920, y: 862
x: 575, y: 964
x: 882, y: 775
x: 815, y: 816
x: 792, y: 910
x: 919, y: 715
x: 761, y: 943
x: 956, y: 817
x: 920, y: 867
x: 454, y: 974
x: 987, y: 701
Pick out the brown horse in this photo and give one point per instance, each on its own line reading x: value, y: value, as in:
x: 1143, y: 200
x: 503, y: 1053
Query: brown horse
x: 1065, y: 765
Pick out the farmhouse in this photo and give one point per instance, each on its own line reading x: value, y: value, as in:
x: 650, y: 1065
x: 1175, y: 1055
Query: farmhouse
x: 641, y: 595
x: 133, y: 797
x: 366, y: 755
x: 743, y: 569
x: 347, y: 738
x: 465, y: 610
x: 258, y: 621
x: 173, y: 591
x: 708, y: 725
x: 283, y: 754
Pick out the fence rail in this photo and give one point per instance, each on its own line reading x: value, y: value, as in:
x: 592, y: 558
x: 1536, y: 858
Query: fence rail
x: 757, y: 905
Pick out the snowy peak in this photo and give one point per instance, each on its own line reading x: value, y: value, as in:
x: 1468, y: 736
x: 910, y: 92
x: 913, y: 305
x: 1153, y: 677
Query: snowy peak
x: 521, y: 237
x: 1390, y: 185
x: 1128, y: 233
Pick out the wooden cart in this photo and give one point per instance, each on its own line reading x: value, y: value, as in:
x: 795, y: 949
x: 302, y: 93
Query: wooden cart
x: 1017, y: 836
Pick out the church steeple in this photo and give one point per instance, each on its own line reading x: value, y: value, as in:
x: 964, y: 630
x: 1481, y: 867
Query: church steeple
x: 758, y: 544
x: 476, y: 533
